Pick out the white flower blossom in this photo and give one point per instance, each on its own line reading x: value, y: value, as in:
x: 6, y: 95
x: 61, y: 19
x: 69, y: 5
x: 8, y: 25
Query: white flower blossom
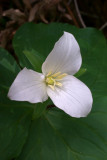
x: 56, y: 80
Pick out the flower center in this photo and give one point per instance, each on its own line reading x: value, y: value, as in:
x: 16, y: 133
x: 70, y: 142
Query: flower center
x: 52, y: 80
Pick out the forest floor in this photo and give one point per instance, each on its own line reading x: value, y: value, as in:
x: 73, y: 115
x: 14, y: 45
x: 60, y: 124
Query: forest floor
x: 81, y: 13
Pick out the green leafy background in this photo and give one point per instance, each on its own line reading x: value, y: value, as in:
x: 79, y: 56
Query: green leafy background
x: 33, y: 132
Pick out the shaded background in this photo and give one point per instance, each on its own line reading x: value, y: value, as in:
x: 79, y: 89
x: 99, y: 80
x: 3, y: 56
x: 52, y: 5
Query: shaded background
x: 81, y: 13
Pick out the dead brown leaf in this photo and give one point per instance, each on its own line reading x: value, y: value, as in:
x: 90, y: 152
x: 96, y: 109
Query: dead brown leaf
x: 27, y: 4
x: 15, y: 14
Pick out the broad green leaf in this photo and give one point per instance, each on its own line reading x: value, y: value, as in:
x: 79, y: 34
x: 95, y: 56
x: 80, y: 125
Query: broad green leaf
x: 14, y: 125
x: 8, y: 62
x: 55, y: 135
x: 8, y: 72
x: 8, y: 68
x: 15, y: 118
x: 35, y: 59
x: 40, y: 108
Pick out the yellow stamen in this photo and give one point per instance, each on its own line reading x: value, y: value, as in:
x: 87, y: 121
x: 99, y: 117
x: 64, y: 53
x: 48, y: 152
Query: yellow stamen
x: 49, y: 74
x: 62, y: 76
x: 58, y: 84
x: 52, y: 87
x: 56, y: 74
x: 52, y: 80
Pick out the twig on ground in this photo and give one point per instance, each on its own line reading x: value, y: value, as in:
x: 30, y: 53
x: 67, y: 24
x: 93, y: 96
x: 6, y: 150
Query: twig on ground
x: 79, y: 15
x: 103, y: 26
x: 71, y: 14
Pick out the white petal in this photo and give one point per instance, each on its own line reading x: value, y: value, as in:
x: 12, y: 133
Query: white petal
x: 74, y: 97
x: 28, y: 86
x: 65, y: 56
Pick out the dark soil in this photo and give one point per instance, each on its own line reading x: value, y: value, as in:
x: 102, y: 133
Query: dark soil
x: 81, y: 13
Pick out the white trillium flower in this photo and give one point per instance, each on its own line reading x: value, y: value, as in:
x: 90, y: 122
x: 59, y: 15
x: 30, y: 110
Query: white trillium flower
x: 56, y: 80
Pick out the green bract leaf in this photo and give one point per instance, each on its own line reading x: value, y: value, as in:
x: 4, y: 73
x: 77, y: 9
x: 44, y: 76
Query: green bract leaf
x: 57, y: 136
x: 14, y: 125
x: 8, y: 72
x: 15, y: 118
x: 35, y: 59
x: 40, y: 108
